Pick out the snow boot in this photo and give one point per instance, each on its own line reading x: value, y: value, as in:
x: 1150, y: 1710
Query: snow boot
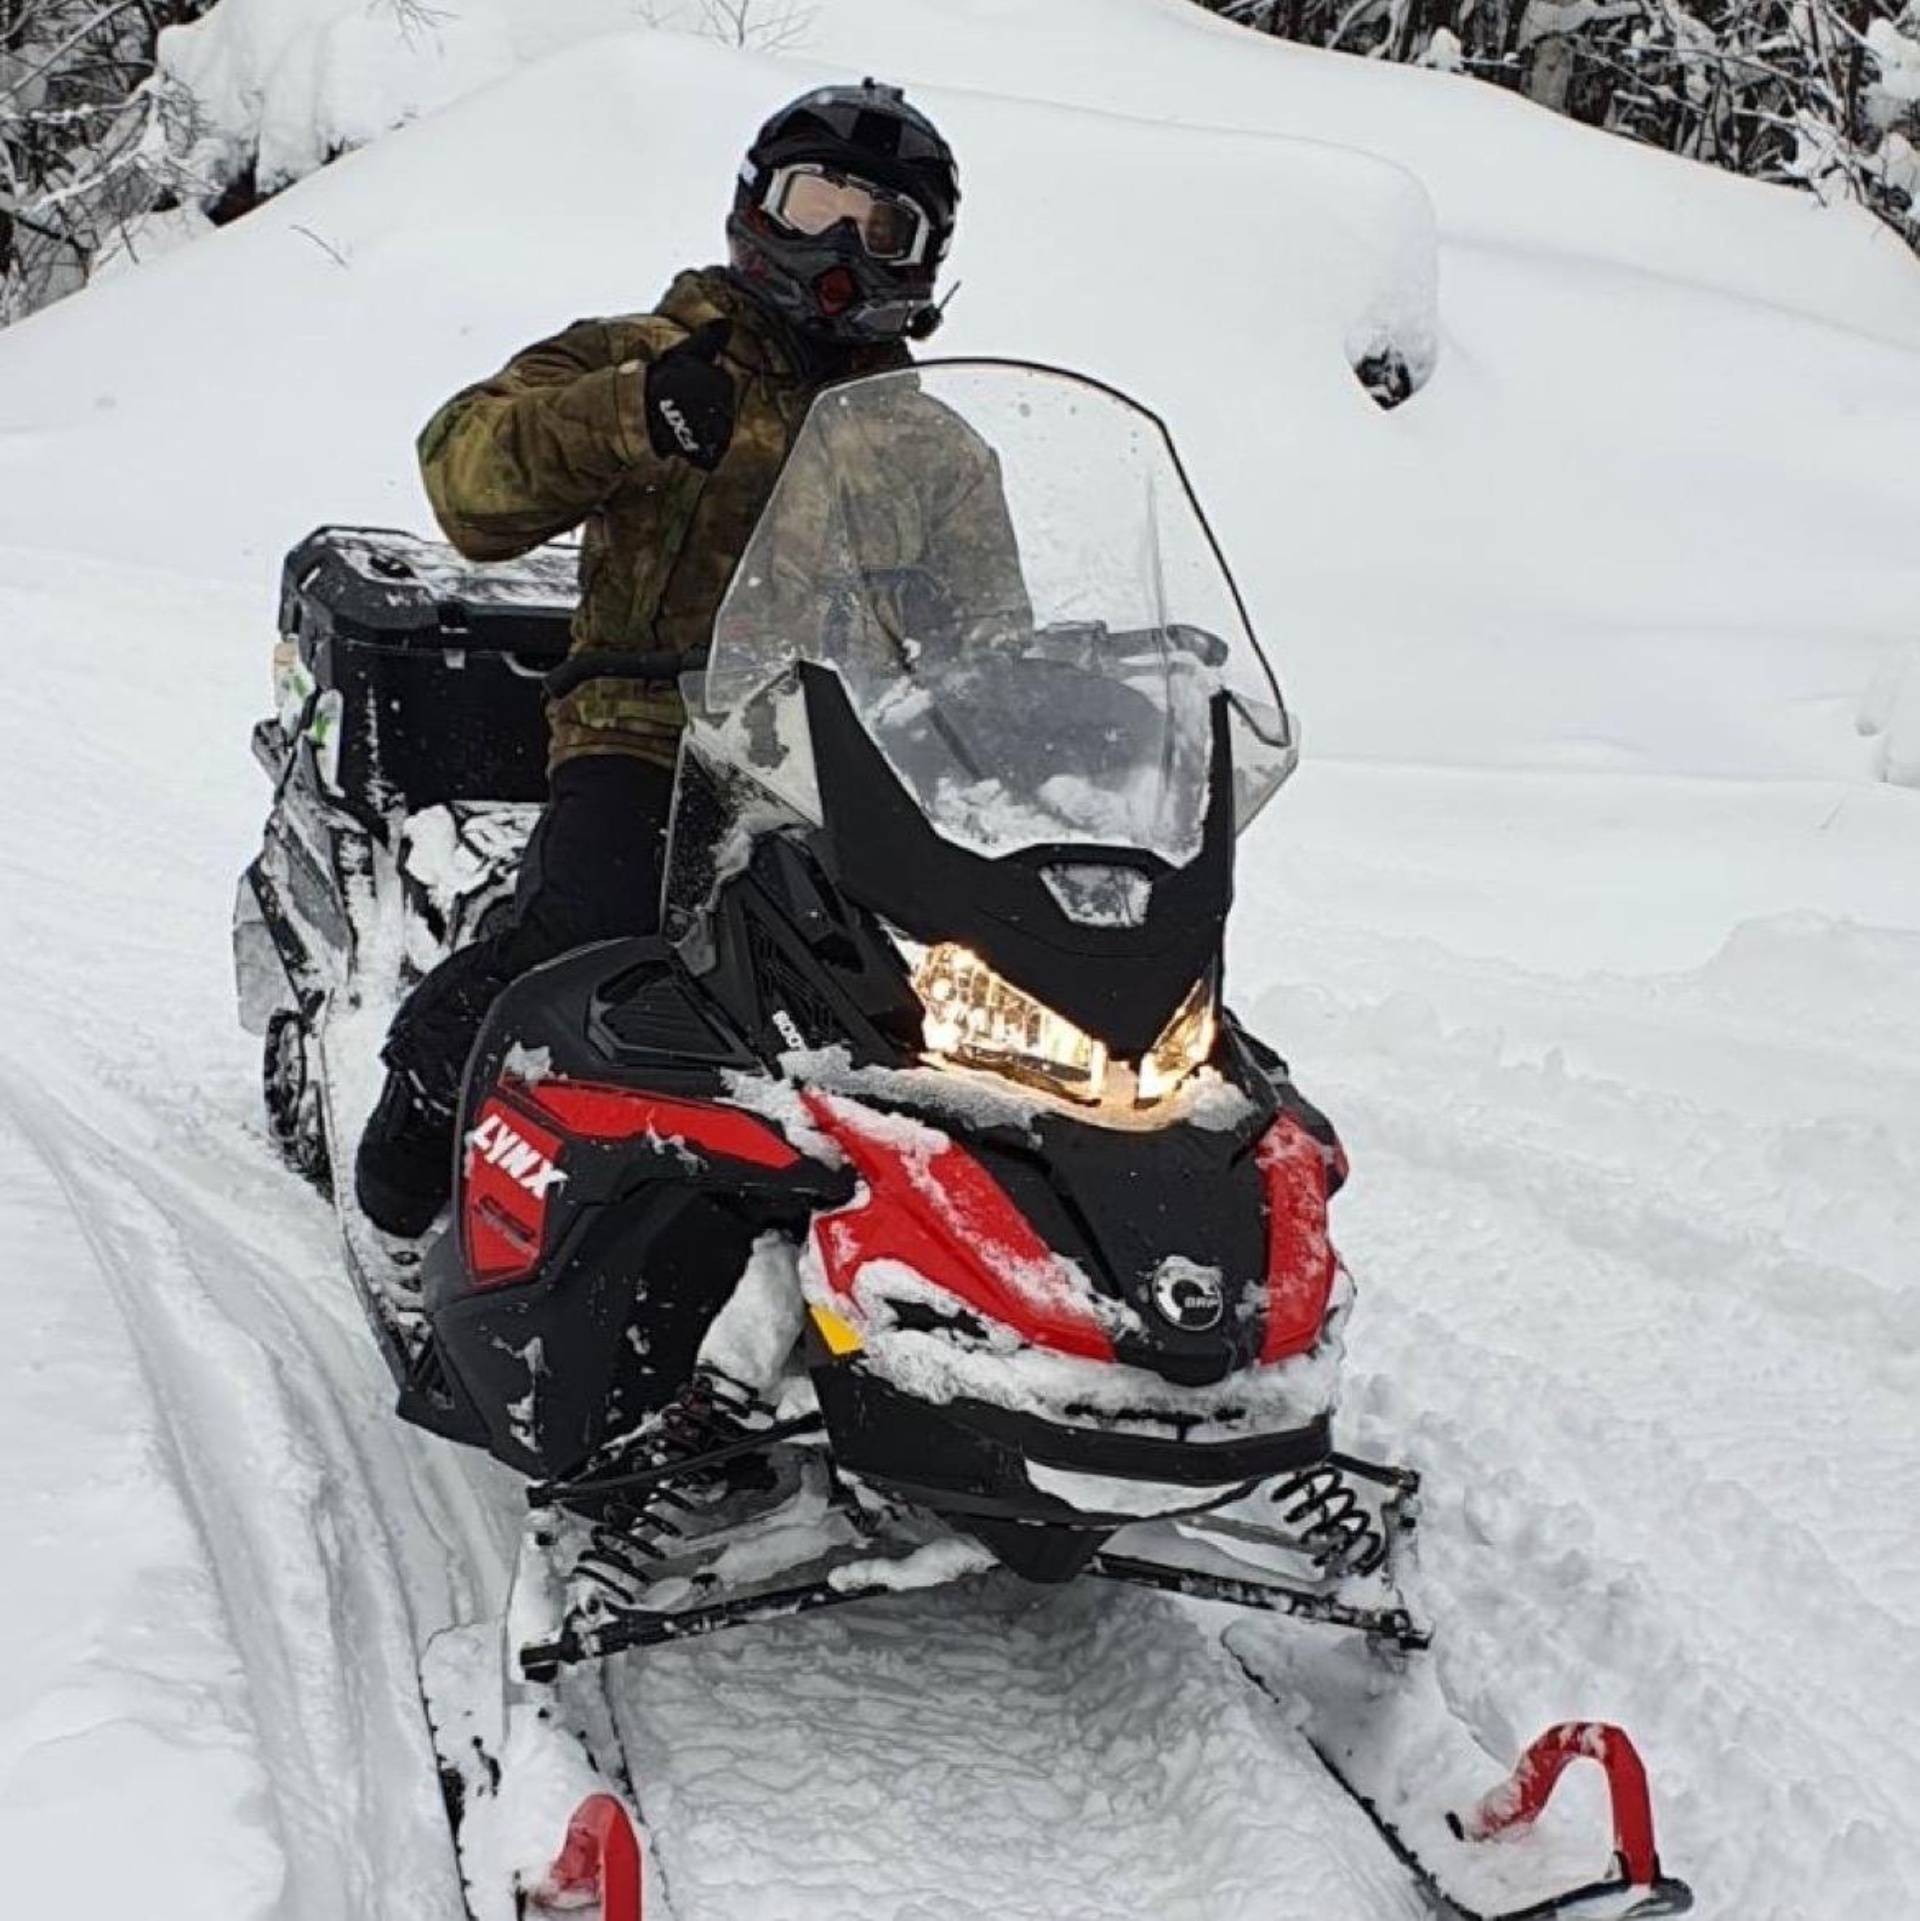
x: 403, y: 1173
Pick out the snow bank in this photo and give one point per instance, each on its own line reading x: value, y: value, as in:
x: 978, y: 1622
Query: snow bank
x: 1647, y: 514
x: 282, y: 86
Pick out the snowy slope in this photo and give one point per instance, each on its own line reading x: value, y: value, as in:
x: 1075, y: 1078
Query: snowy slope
x: 1586, y: 919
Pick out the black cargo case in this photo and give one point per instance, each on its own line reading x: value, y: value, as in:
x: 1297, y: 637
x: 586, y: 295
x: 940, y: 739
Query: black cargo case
x: 438, y: 661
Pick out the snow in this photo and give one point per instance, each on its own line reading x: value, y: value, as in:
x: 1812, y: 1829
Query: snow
x: 1593, y: 918
x: 1103, y: 1494
x: 754, y: 1332
x: 931, y: 1566
x: 1073, y: 1751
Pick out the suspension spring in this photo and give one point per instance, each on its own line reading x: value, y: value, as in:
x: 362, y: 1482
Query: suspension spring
x: 637, y: 1488
x: 1334, y: 1527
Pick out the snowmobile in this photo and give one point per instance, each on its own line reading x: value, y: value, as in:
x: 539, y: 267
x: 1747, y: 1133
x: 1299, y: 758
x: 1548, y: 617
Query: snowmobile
x: 913, y: 1205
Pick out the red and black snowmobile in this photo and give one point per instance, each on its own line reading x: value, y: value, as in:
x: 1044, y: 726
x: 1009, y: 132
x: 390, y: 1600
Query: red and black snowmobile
x: 913, y: 1205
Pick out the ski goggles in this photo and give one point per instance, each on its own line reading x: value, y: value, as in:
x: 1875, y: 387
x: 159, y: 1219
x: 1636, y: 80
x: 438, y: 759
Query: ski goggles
x: 809, y: 199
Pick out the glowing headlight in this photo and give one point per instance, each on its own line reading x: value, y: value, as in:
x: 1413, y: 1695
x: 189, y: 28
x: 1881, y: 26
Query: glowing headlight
x: 1186, y: 1042
x: 976, y: 1019
x: 980, y: 1020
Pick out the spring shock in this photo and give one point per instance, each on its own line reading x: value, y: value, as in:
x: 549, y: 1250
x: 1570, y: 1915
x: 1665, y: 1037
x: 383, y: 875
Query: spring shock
x: 635, y: 1492
x: 1333, y: 1525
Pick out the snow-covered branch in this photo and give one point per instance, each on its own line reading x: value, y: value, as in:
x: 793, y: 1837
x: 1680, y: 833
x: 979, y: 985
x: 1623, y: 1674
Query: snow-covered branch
x: 1823, y: 94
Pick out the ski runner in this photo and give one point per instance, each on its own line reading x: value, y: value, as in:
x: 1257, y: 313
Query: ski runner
x: 660, y: 435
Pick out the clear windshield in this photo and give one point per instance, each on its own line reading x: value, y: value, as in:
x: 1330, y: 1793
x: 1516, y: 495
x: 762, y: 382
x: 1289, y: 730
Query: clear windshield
x: 1007, y: 571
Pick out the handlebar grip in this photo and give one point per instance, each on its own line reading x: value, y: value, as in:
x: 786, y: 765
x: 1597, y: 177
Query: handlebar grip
x: 595, y: 664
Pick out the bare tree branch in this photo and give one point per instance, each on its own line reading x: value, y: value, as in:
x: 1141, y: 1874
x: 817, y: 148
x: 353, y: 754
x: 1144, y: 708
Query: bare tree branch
x: 52, y: 60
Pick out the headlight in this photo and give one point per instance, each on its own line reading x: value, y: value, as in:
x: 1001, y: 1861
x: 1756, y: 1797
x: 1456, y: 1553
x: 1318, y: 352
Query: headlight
x: 1186, y: 1042
x: 974, y: 1018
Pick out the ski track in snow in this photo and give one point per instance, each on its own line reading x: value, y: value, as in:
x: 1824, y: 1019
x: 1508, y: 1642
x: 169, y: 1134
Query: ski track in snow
x: 313, y: 1513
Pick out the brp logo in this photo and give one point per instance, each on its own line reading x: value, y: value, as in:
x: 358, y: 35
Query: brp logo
x: 1188, y: 1296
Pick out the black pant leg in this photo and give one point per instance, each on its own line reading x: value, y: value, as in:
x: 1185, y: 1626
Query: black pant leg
x: 593, y: 868
x: 592, y: 871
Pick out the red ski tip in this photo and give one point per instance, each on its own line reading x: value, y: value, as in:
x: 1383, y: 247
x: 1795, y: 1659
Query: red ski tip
x: 1520, y: 1799
x: 600, y: 1858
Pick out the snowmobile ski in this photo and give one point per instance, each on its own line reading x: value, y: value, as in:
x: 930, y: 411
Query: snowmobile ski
x: 536, y: 1785
x: 1387, y: 1736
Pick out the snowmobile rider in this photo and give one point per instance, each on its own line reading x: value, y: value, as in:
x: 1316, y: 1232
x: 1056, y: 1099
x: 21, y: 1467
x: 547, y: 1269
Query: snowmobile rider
x: 660, y: 436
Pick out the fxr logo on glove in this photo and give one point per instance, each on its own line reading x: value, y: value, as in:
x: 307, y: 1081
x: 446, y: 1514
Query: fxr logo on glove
x: 688, y: 439
x: 689, y: 399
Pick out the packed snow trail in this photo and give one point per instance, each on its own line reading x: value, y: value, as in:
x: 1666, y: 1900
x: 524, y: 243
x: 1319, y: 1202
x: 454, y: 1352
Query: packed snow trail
x: 987, y: 1751
x: 320, y: 1528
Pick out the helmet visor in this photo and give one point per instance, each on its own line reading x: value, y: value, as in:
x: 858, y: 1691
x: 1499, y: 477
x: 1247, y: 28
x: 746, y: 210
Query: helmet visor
x: 812, y: 200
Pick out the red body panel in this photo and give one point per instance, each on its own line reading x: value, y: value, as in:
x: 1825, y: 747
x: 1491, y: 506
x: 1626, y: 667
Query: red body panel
x: 621, y: 1114
x: 516, y: 1150
x: 512, y: 1166
x: 933, y: 1208
x: 1300, y: 1263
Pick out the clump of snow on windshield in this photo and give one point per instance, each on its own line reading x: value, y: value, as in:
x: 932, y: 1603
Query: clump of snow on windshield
x: 992, y: 817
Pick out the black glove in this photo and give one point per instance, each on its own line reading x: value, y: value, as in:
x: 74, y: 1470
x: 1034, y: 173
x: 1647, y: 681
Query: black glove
x: 689, y: 404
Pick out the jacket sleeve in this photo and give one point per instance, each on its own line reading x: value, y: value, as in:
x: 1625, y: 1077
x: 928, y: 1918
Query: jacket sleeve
x: 530, y: 453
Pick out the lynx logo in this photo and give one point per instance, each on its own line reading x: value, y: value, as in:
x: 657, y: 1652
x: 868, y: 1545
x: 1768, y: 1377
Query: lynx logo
x: 1188, y: 1296
x: 499, y: 1146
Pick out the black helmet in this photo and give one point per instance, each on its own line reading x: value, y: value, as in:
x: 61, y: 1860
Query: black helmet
x: 843, y: 214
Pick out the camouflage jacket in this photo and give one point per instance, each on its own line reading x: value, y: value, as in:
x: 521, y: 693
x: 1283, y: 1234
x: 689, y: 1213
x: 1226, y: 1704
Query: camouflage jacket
x: 557, y: 440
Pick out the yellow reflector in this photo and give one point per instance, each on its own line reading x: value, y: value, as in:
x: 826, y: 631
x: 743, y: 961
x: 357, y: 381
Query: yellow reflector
x: 838, y: 1335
